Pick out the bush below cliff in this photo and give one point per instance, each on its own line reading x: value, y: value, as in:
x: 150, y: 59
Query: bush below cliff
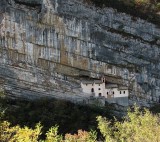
x: 69, y: 117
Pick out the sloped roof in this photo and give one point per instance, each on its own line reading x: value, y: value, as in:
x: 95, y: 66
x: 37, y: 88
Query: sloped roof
x: 97, y: 81
x: 87, y: 81
x: 108, y: 86
x: 123, y: 88
x: 91, y: 81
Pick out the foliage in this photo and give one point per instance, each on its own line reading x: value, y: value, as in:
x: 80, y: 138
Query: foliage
x: 2, y: 94
x: 82, y: 136
x: 17, y: 134
x: 158, y: 6
x: 105, y: 128
x: 2, y: 110
x: 27, y: 135
x: 68, y: 116
x: 155, y: 109
x: 142, y: 2
x: 137, y: 127
x: 52, y: 135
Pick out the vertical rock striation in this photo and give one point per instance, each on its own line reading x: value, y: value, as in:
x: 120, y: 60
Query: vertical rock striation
x: 47, y: 45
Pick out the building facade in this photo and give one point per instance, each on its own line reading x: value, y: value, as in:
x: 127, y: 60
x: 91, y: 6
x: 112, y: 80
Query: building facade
x: 99, y: 88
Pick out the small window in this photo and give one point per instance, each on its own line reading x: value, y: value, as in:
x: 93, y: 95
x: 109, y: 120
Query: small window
x: 92, y: 90
x: 100, y: 94
x: 99, y: 84
x: 124, y: 92
x: 99, y: 89
x: 107, y: 93
x: 65, y: 77
x: 103, y: 80
x: 120, y: 92
x: 86, y: 84
x: 113, y: 92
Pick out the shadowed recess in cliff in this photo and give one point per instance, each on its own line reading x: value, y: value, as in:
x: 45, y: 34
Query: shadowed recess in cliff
x: 31, y: 3
x: 146, y: 9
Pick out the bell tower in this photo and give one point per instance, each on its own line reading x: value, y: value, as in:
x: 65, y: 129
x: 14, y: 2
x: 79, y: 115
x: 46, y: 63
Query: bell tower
x: 103, y: 79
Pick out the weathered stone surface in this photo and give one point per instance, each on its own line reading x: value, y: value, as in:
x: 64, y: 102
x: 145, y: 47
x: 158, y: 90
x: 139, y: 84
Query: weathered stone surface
x: 44, y: 42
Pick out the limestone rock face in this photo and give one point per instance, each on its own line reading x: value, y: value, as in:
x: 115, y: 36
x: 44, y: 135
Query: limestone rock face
x: 47, y: 45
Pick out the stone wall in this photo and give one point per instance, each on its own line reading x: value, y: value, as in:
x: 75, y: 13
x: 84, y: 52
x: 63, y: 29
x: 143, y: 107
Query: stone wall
x: 56, y: 39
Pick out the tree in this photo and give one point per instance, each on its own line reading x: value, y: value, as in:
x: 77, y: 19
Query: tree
x: 52, y: 135
x: 18, y: 134
x: 137, y: 126
x: 82, y: 136
x: 142, y: 2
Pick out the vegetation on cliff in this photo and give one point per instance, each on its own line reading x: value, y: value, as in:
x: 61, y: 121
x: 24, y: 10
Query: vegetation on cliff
x: 68, y: 116
x: 137, y: 126
x: 44, y: 120
x: 146, y: 9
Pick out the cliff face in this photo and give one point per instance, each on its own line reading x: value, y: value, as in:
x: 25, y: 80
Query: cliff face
x: 47, y: 46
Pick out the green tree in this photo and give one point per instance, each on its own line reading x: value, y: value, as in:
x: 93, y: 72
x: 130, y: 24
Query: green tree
x: 82, y: 136
x: 137, y: 126
x: 142, y: 2
x: 53, y: 136
x: 18, y: 134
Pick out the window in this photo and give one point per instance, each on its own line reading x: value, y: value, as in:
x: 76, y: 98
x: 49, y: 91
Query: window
x: 100, y: 94
x: 124, y: 92
x: 86, y: 84
x: 99, y: 89
x: 65, y: 77
x: 103, y: 80
x: 113, y: 92
x: 120, y: 92
x: 107, y: 93
x: 92, y: 84
x: 99, y: 84
x: 92, y: 90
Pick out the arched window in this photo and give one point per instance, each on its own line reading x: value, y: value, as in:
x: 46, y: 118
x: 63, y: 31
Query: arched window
x: 107, y: 93
x: 92, y: 90
x: 124, y: 92
x: 120, y: 92
x: 113, y: 92
x: 99, y: 89
x: 100, y: 94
